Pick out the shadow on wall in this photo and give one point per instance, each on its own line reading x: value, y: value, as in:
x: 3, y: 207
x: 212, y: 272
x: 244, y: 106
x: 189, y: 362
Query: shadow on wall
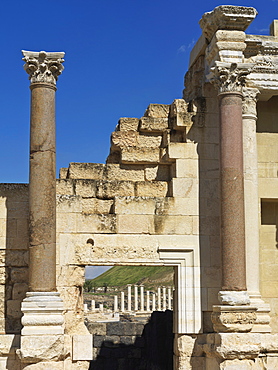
x: 133, y: 345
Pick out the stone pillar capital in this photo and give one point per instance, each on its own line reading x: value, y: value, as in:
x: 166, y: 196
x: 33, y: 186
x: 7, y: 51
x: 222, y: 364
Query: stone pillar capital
x: 249, y: 105
x: 43, y: 67
x: 230, y: 77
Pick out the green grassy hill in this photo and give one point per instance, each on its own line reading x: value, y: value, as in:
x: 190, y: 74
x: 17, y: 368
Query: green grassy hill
x: 150, y: 276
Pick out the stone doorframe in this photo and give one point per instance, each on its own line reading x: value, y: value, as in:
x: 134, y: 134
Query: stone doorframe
x: 186, y: 262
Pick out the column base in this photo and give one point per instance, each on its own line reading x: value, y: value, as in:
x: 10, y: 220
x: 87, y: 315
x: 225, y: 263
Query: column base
x: 42, y: 314
x: 233, y: 319
x: 233, y: 297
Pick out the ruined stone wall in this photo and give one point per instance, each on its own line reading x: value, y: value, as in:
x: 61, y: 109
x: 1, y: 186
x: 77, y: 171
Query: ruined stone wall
x: 267, y: 137
x: 14, y: 254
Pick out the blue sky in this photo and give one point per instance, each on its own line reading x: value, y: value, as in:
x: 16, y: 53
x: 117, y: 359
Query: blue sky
x: 120, y: 56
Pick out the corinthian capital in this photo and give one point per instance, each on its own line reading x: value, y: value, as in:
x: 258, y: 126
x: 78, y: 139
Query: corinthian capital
x: 249, y: 104
x: 229, y: 77
x: 42, y: 66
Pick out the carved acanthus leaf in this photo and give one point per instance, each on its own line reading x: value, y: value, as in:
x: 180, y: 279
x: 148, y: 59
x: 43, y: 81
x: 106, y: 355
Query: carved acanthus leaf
x: 250, y: 96
x: 42, y: 66
x: 229, y: 77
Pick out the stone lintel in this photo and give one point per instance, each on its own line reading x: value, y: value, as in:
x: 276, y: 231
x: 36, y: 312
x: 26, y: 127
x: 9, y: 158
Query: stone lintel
x: 227, y: 17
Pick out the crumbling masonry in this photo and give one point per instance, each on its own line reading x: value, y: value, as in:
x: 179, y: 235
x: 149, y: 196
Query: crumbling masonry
x: 192, y: 185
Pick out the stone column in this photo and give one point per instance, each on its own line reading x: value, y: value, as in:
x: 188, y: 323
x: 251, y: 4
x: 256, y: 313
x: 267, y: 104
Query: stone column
x: 42, y: 304
x: 251, y: 198
x: 42, y: 308
x: 43, y: 69
x: 164, y: 298
x: 142, y: 298
x: 115, y: 303
x: 153, y: 303
x: 159, y: 299
x: 135, y: 297
x: 169, y: 298
x: 129, y: 297
x: 230, y: 79
x: 148, y: 301
x: 122, y: 301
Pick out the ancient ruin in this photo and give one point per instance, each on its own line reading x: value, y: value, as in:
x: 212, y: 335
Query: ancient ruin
x: 192, y: 184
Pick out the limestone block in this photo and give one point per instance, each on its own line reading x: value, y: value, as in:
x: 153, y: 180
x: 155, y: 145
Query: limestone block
x: 134, y: 205
x: 103, y: 223
x: 157, y: 110
x: 70, y: 276
x: 17, y: 243
x: 177, y: 206
x: 173, y: 224
x: 151, y: 188
x: 110, y: 189
x: 3, y: 227
x: 186, y: 168
x: 85, y: 188
x: 42, y: 365
x: 157, y: 172
x: 96, y: 206
x: 135, y: 224
x: 93, y: 171
x: 3, y: 275
x: 64, y: 187
x: 124, y: 247
x: 8, y: 344
x: 14, y: 308
x: 66, y: 222
x: 182, y: 150
x: 128, y: 124
x: 2, y: 242
x: 268, y: 188
x: 123, y: 139
x: 213, y: 296
x: 3, y: 207
x: 19, y: 275
x: 142, y: 155
x: 241, y: 364
x: 14, y: 258
x: 149, y: 141
x: 180, y: 117
x: 68, y: 204
x: 37, y: 348
x: 211, y: 277
x: 17, y: 209
x: 153, y: 124
x: 82, y: 347
x: 74, y: 323
x: 208, y: 151
x: 183, y: 187
x: 63, y: 172
x: 19, y: 291
x: 123, y: 172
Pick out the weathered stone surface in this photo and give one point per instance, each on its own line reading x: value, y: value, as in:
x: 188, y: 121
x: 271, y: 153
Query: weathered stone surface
x: 151, y: 189
x: 157, y: 110
x: 110, y: 189
x: 144, y: 155
x: 153, y: 124
x: 42, y: 348
x: 128, y: 124
x: 233, y: 318
x: 82, y: 347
